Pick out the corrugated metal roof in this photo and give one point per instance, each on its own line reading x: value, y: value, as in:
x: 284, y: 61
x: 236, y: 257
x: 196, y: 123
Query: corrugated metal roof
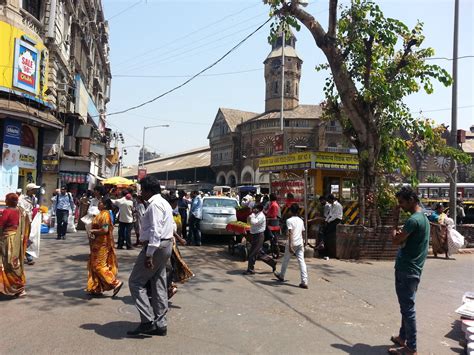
x: 196, y: 158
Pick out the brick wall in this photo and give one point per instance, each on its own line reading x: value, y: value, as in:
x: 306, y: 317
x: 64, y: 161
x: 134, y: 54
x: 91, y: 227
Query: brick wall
x: 357, y: 242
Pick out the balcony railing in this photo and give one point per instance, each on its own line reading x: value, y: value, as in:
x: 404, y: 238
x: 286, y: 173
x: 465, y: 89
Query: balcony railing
x: 338, y: 150
x: 335, y: 129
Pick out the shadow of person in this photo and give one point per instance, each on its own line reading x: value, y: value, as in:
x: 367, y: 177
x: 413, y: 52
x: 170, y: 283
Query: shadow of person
x: 113, y: 330
x: 362, y: 349
x: 77, y: 293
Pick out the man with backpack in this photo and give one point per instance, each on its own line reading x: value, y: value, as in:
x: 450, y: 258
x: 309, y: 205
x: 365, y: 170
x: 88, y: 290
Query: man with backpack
x: 62, y: 204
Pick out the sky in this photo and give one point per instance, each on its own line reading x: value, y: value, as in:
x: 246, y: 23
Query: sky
x: 156, y: 45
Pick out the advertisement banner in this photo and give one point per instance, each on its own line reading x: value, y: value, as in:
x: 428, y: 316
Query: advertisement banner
x: 10, y: 157
x: 27, y: 158
x: 141, y: 173
x: 26, y: 67
x: 284, y: 187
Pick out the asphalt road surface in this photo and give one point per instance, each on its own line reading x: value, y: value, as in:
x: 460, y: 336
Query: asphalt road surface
x: 350, y: 307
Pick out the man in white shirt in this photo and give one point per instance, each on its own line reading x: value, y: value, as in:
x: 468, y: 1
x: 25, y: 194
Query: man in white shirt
x: 295, y: 246
x: 332, y: 220
x: 156, y: 234
x: 125, y: 206
x: 258, y: 224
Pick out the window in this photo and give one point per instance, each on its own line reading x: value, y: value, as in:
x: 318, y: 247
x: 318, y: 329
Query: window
x: 287, y: 87
x: 296, y: 89
x: 275, y: 87
x: 33, y: 7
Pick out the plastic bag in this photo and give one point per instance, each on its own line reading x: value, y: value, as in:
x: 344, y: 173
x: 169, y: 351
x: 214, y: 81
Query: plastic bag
x: 71, y: 227
x: 35, y: 237
x: 87, y: 220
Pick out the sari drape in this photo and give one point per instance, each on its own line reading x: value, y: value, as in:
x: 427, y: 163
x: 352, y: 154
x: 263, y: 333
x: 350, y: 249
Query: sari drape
x: 12, y: 253
x: 102, y: 265
x: 181, y: 271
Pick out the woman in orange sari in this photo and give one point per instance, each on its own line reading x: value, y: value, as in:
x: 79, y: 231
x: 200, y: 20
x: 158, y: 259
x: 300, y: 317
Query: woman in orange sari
x: 102, y: 264
x: 12, y: 248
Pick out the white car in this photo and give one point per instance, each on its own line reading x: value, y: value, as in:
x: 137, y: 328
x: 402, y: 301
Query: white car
x: 216, y: 213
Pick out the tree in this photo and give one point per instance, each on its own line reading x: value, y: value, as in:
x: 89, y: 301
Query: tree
x: 374, y: 63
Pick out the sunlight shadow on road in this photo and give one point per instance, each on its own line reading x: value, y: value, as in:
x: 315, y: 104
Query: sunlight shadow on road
x: 113, y: 330
x: 362, y: 349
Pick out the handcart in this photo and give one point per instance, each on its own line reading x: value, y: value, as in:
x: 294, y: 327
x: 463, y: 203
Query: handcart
x: 238, y: 243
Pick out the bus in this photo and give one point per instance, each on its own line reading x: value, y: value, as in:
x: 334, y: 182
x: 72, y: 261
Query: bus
x: 440, y: 191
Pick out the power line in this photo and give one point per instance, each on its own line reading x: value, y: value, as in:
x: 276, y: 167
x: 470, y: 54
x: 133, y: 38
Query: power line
x: 185, y: 50
x: 442, y: 109
x: 185, y: 76
x: 194, y: 76
x: 444, y: 58
x: 124, y: 10
x: 138, y: 56
x: 172, y: 121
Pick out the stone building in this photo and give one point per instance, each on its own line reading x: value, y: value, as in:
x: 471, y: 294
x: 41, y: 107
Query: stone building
x: 239, y: 139
x: 55, y: 83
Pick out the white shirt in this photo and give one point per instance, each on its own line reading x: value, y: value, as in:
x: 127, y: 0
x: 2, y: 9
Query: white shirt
x: 335, y: 212
x: 258, y: 223
x: 125, y: 209
x: 156, y: 223
x: 296, y: 227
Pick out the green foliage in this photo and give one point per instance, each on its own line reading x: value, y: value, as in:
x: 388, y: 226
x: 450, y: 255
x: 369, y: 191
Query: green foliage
x: 433, y: 178
x: 386, y: 62
x: 386, y: 199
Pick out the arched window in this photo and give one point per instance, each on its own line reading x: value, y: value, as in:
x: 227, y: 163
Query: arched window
x: 275, y: 87
x: 287, y: 87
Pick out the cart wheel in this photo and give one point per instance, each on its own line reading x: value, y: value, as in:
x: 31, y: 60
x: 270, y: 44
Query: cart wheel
x: 231, y: 247
x: 244, y: 253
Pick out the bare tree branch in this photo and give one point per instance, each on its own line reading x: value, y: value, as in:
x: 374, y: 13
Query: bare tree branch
x: 402, y: 62
x: 332, y: 19
x: 368, y: 60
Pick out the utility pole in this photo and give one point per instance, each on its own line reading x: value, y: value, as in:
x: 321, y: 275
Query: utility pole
x: 282, y: 104
x: 454, y: 121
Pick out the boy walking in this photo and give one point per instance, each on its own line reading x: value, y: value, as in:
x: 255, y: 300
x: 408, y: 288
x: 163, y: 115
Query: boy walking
x: 294, y: 245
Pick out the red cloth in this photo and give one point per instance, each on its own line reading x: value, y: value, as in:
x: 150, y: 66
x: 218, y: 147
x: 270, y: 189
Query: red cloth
x: 10, y: 218
x: 273, y: 210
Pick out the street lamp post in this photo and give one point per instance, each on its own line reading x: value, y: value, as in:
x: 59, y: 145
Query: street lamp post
x: 143, y: 141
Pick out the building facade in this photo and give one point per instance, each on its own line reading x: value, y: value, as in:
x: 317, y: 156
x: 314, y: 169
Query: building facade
x: 54, y: 88
x: 240, y: 139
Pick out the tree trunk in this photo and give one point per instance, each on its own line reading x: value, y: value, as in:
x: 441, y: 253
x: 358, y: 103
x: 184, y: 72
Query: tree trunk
x: 368, y: 213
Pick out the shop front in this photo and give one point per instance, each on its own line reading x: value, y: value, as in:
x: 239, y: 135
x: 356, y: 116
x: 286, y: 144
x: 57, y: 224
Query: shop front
x: 25, y: 117
x: 328, y: 172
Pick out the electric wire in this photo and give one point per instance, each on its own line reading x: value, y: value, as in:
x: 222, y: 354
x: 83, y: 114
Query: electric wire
x: 124, y: 10
x: 188, y: 35
x: 186, y: 76
x: 195, y: 75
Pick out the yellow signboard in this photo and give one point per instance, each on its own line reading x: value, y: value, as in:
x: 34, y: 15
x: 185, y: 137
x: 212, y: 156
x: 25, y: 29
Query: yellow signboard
x: 295, y: 158
x: 23, y: 58
x: 336, y: 158
x: 313, y: 160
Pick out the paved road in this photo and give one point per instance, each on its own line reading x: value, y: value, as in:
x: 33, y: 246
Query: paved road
x: 350, y: 307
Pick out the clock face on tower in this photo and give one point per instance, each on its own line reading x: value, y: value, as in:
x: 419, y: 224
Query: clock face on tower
x: 276, y: 63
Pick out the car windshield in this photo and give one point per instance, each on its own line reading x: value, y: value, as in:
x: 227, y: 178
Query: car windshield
x: 219, y: 202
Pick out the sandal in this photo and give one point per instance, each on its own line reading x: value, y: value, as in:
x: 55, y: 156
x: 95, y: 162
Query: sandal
x: 172, y: 291
x: 398, y: 341
x: 403, y: 350
x: 117, y: 289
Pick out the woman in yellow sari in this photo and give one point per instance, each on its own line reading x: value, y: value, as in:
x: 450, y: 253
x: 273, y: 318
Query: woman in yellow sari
x: 102, y: 264
x: 12, y: 248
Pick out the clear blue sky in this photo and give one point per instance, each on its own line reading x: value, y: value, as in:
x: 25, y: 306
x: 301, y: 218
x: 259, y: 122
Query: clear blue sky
x: 166, y: 39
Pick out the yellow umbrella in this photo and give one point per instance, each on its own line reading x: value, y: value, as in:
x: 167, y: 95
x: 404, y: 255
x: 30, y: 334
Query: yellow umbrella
x: 117, y: 180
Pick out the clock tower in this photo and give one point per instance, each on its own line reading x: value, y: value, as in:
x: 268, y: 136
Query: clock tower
x: 273, y: 71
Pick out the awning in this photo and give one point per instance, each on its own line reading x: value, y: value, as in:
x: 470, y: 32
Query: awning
x: 29, y: 113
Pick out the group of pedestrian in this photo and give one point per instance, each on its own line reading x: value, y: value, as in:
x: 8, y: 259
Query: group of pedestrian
x: 160, y: 223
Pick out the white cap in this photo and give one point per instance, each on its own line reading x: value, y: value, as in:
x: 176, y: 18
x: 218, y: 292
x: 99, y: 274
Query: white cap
x: 19, y: 191
x: 32, y: 186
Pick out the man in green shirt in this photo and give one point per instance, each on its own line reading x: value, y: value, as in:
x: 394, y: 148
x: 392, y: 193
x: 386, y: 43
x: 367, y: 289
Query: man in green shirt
x: 413, y: 240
